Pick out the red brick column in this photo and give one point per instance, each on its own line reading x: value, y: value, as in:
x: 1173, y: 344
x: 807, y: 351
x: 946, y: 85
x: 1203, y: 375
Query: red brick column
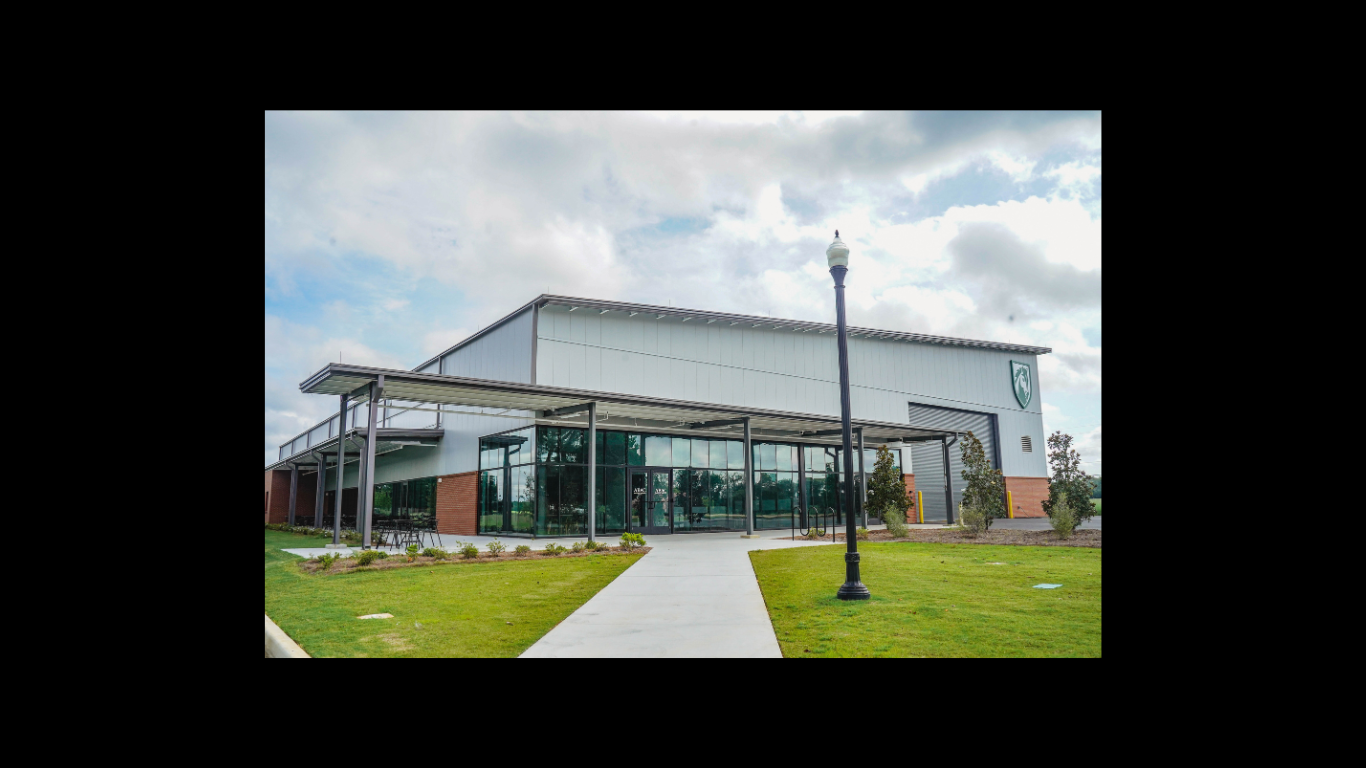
x: 277, y: 496
x: 1029, y: 494
x: 457, y: 503
x: 915, y: 503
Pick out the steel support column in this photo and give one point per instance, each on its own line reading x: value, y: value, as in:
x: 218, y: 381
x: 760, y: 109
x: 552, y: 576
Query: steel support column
x: 341, y: 469
x: 321, y: 494
x: 293, y: 490
x: 362, y: 502
x: 592, y: 471
x: 948, y: 481
x: 749, y: 481
x: 376, y: 391
x: 863, y: 479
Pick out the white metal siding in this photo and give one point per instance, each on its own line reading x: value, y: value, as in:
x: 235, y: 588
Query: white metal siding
x: 503, y: 354
x: 784, y: 370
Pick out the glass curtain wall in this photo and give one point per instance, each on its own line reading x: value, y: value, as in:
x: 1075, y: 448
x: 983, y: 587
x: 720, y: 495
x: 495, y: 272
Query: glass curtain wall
x: 507, y: 479
x: 535, y: 481
x: 407, y: 500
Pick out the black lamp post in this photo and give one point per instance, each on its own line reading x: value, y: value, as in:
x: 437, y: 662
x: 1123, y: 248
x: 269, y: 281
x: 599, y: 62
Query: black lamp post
x: 837, y: 255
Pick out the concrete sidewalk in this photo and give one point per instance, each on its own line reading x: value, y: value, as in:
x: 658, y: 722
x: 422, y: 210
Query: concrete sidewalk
x: 693, y: 595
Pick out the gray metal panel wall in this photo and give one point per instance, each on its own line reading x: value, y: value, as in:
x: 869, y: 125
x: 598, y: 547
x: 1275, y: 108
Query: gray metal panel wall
x: 928, y: 461
x: 785, y: 370
x: 979, y: 424
x: 503, y: 354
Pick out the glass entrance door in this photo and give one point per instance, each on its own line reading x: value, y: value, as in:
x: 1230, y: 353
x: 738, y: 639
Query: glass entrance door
x: 650, y: 501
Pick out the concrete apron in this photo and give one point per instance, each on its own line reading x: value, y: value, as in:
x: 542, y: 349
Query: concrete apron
x: 693, y: 595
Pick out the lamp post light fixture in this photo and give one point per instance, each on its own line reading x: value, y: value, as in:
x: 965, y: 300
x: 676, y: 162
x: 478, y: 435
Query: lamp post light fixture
x: 837, y: 255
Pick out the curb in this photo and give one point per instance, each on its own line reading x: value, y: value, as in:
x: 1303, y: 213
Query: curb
x: 279, y: 646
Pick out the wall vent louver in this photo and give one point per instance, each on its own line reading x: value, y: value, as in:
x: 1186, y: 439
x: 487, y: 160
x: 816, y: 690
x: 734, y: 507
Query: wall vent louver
x: 1026, y: 444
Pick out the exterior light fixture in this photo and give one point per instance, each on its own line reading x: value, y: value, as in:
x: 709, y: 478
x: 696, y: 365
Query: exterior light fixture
x: 571, y: 309
x: 837, y: 255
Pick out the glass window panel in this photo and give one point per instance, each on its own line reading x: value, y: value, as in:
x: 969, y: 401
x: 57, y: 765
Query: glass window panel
x: 768, y: 455
x: 572, y: 448
x: 548, y: 448
x: 784, y: 455
x: 523, y: 494
x: 547, y: 479
x: 635, y: 450
x: 735, y: 484
x: 718, y: 454
x: 701, y: 449
x: 526, y: 454
x: 754, y: 458
x: 682, y: 447
x: 682, y: 501
x: 787, y: 491
x: 615, y: 455
x: 611, y: 509
x: 735, y: 454
x: 573, y: 498
x: 601, y: 456
x: 658, y: 451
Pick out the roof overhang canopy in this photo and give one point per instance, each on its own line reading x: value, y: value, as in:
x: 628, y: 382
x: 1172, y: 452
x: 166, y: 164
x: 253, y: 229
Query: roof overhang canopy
x: 616, y: 410
x: 390, y: 440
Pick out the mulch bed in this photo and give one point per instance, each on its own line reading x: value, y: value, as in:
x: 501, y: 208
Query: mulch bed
x: 1086, y: 538
x: 346, y: 564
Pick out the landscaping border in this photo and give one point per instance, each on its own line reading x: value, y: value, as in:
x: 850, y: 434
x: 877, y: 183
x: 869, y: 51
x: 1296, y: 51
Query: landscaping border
x: 279, y: 645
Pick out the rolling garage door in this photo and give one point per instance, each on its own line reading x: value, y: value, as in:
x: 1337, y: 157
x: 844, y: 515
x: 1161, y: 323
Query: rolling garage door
x: 930, y: 456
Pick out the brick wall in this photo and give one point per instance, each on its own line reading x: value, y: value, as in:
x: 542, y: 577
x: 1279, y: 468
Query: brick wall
x: 915, y: 502
x: 277, y: 496
x: 456, y: 502
x: 1028, y: 493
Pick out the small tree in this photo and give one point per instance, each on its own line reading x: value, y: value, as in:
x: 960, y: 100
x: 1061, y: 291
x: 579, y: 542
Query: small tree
x: 1069, y: 486
x: 886, y: 487
x: 986, y: 488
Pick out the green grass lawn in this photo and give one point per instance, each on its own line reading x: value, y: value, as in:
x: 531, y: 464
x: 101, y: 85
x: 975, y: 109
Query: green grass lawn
x: 1096, y: 503
x: 462, y: 610
x: 935, y: 600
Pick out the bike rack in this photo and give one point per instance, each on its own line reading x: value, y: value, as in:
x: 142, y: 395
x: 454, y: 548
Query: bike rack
x: 825, y: 518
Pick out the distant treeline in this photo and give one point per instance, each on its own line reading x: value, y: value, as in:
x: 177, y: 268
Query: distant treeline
x: 1096, y: 493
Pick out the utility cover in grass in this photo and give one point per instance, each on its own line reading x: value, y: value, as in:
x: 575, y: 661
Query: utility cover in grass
x: 377, y: 616
x: 1047, y: 586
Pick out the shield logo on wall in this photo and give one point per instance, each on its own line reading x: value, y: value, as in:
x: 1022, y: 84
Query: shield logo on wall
x: 1019, y: 381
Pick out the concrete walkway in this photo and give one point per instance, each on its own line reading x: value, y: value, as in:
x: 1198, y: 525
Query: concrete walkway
x: 693, y: 595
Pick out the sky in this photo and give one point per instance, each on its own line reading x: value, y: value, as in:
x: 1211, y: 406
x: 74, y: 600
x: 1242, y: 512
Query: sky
x: 389, y: 237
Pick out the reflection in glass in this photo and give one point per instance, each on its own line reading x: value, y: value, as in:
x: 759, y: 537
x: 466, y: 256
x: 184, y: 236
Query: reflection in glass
x: 658, y: 451
x: 718, y: 454
x: 682, y: 447
x: 735, y: 454
x: 635, y: 450
x: 615, y: 455
x: 700, y: 451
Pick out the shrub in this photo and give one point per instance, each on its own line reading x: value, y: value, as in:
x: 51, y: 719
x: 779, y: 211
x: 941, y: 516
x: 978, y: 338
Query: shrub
x: 631, y: 540
x: 554, y: 549
x: 577, y: 546
x: 369, y: 556
x: 496, y: 547
x: 522, y: 549
x: 986, y: 489
x: 974, y: 518
x: 326, y: 560
x: 467, y: 550
x: 1068, y: 484
x: 593, y: 546
x: 1062, y: 519
x: 814, y: 533
x: 861, y: 533
x: 436, y: 552
x: 886, y: 486
x: 895, y: 524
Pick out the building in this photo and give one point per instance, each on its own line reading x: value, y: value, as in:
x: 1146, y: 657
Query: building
x: 490, y: 436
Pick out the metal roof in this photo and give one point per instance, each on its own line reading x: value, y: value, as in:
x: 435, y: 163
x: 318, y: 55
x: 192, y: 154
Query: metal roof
x: 615, y: 408
x: 797, y: 326
x: 390, y: 440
